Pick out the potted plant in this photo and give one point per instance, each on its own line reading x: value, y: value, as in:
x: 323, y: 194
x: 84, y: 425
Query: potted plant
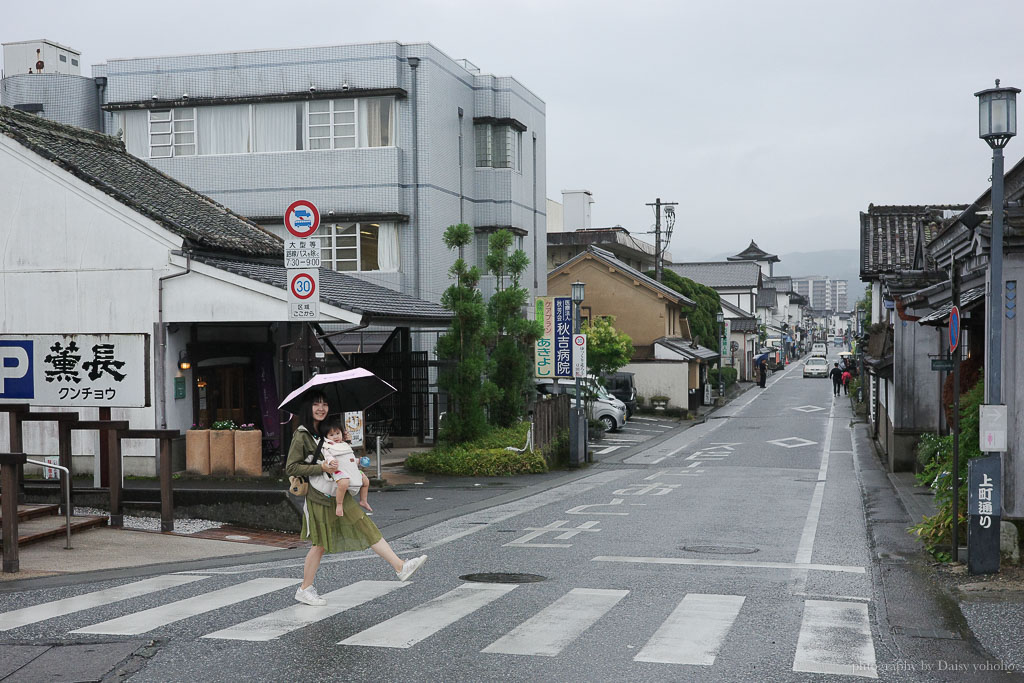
x: 659, y: 402
x: 197, y: 450
x: 248, y: 450
x: 222, y: 447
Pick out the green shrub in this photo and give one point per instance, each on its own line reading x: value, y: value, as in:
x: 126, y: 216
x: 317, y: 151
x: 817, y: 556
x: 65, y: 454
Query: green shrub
x: 728, y: 374
x: 935, y: 453
x: 556, y: 454
x: 486, y: 456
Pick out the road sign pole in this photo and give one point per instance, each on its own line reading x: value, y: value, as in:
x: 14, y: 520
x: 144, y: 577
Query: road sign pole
x: 954, y: 350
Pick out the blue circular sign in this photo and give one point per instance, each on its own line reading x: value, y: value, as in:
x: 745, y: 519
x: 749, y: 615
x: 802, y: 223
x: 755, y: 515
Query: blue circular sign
x: 954, y: 329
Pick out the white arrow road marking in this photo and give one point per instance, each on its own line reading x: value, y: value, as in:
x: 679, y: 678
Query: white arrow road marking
x: 408, y: 628
x: 550, y: 630
x: 694, y: 632
x: 579, y: 509
x: 277, y: 624
x: 59, y: 608
x: 147, y: 620
x: 835, y: 638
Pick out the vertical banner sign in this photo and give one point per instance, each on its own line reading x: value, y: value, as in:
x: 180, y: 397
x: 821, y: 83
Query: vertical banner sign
x: 579, y: 355
x: 725, y: 338
x: 563, y: 336
x: 984, y: 507
x: 354, y: 426
x: 544, y: 348
x: 304, y: 294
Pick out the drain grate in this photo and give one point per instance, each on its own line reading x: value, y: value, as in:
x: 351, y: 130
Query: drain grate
x: 720, y: 549
x: 500, y: 577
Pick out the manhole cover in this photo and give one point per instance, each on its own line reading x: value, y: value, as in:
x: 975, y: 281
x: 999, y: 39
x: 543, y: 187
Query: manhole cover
x: 720, y: 549
x: 498, y: 577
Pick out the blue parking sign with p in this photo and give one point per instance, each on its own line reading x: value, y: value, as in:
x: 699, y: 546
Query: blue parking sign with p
x: 16, y: 381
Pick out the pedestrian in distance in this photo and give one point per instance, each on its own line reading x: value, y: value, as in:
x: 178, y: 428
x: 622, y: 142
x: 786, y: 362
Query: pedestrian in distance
x: 327, y: 531
x: 837, y: 378
x: 762, y: 373
x: 846, y: 381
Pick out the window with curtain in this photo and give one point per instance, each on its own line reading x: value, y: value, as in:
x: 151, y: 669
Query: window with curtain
x: 172, y: 132
x: 135, y: 132
x: 350, y: 247
x: 376, y: 121
x: 223, y: 129
x: 274, y: 127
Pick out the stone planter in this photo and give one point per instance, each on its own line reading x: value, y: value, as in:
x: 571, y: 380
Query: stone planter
x: 249, y: 452
x: 197, y: 451
x: 222, y: 452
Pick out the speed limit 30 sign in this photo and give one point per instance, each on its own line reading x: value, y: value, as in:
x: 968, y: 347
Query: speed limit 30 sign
x: 304, y: 294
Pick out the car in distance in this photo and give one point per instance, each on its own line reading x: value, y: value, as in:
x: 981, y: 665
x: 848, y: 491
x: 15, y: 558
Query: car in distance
x: 819, y: 349
x: 816, y: 367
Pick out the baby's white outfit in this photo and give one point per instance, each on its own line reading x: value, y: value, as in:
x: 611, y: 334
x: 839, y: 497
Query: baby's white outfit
x: 347, y: 468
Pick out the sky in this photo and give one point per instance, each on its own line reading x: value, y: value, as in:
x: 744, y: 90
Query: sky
x: 776, y: 121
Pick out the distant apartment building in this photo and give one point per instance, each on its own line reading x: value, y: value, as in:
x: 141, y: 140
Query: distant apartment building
x: 822, y: 293
x: 393, y: 142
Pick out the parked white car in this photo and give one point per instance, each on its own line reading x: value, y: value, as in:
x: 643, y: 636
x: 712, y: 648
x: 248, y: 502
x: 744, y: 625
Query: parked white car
x: 605, y: 407
x: 816, y: 367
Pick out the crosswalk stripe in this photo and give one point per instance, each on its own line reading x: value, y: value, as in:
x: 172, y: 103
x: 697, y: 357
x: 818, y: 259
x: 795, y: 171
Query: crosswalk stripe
x: 147, y: 620
x: 408, y: 628
x: 277, y: 624
x: 550, y: 630
x: 60, y: 608
x: 694, y: 632
x: 835, y: 638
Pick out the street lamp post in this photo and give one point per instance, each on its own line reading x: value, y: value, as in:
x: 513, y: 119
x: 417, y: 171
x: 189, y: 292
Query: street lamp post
x: 579, y: 444
x: 721, y: 354
x: 997, y: 123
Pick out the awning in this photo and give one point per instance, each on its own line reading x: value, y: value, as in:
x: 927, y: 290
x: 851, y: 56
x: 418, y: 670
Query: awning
x: 969, y: 300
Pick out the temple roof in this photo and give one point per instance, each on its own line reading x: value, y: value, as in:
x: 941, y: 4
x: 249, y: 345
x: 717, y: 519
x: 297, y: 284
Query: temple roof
x: 754, y: 253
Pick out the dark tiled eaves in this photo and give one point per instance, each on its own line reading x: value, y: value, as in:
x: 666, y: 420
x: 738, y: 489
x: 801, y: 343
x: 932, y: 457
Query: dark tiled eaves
x: 889, y: 235
x: 781, y: 283
x: 101, y: 161
x: 754, y: 253
x: 377, y: 303
x: 767, y: 298
x: 686, y: 348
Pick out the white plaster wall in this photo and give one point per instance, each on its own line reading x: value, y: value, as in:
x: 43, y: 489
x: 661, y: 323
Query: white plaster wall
x: 661, y: 378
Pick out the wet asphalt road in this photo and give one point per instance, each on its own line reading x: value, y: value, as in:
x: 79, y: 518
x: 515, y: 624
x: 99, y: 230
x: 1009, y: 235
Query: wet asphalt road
x: 760, y: 545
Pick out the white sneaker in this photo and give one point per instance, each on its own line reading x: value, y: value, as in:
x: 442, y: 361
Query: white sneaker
x: 309, y: 596
x: 410, y: 567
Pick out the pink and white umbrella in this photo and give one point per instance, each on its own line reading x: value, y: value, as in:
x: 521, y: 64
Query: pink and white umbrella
x: 356, y: 389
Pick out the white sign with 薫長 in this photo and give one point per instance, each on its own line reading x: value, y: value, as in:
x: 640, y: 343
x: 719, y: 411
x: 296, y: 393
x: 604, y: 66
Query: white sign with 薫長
x: 75, y: 370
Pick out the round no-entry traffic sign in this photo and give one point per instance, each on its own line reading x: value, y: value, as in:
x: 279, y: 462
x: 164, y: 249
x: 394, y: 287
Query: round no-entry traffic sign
x: 303, y: 286
x: 302, y: 219
x: 954, y: 329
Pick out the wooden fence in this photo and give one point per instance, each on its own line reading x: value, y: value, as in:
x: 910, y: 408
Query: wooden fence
x: 550, y: 418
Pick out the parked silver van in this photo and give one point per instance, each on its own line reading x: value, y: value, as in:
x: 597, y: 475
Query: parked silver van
x: 605, y: 407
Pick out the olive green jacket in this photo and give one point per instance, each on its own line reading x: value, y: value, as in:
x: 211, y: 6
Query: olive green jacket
x: 303, y: 445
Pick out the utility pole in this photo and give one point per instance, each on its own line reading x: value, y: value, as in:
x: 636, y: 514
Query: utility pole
x: 670, y: 214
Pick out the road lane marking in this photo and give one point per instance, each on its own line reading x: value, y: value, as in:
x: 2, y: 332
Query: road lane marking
x: 548, y: 632
x: 147, y: 620
x: 694, y: 632
x: 806, y: 547
x: 277, y: 624
x: 835, y: 638
x: 408, y: 628
x: 730, y: 563
x: 60, y: 608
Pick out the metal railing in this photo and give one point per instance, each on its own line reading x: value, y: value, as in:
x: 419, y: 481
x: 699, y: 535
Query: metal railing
x: 67, y: 496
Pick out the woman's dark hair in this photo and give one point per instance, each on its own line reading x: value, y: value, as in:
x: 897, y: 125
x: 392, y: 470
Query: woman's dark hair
x: 306, y: 414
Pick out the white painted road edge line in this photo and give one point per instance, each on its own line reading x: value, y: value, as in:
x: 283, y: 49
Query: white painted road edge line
x: 806, y: 547
x: 730, y: 563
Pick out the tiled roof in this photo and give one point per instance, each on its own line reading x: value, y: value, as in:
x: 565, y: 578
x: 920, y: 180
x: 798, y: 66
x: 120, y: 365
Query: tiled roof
x: 754, y: 253
x: 743, y: 325
x: 101, y: 161
x: 341, y: 290
x: 609, y: 258
x: 781, y: 283
x: 717, y: 274
x: 972, y: 298
x: 888, y: 235
x: 767, y: 298
x: 686, y: 348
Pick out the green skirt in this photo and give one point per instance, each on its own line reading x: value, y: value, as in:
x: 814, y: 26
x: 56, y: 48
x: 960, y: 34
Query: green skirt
x: 353, y: 531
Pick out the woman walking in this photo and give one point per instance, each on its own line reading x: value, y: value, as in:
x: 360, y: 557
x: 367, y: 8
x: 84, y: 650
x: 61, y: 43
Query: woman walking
x: 328, y: 532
